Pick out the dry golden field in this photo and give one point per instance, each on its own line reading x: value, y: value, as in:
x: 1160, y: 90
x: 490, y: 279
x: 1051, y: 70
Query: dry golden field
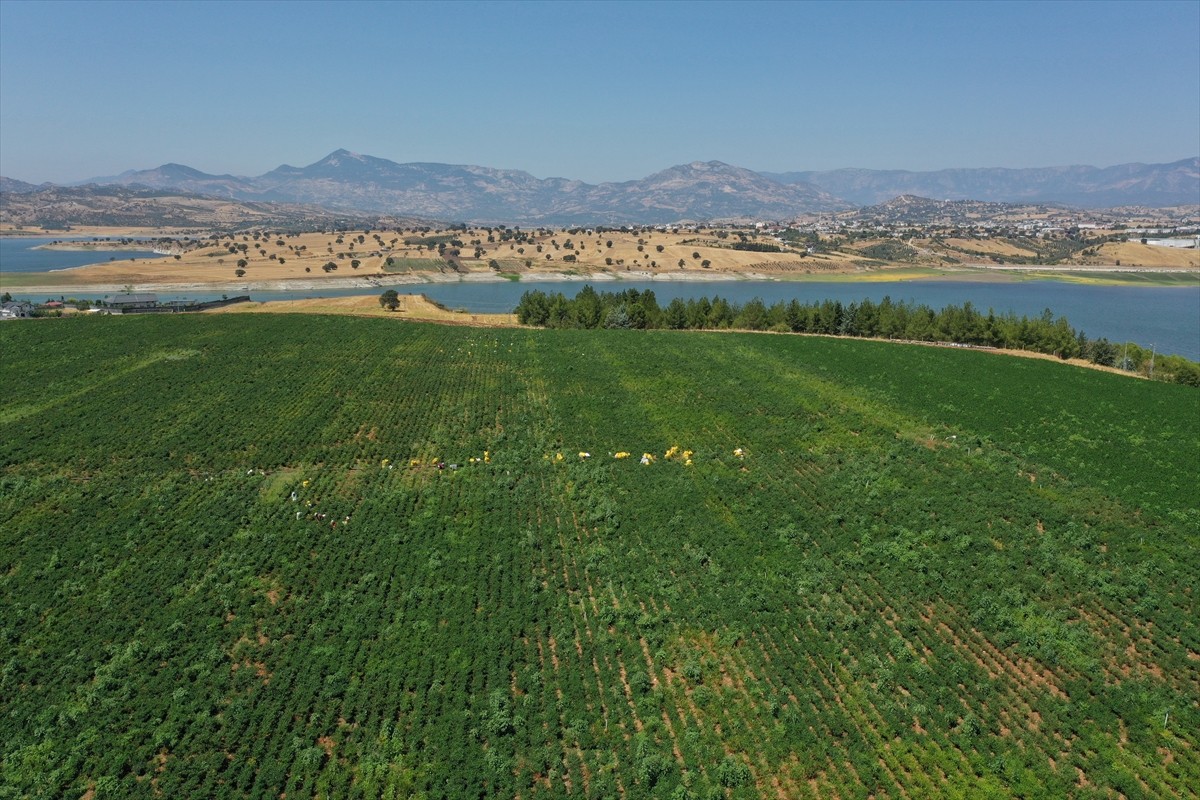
x: 991, y: 246
x: 1136, y: 254
x: 364, y: 255
x: 366, y: 258
x: 412, y: 307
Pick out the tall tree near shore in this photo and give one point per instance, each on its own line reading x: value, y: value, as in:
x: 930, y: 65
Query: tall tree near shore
x: 389, y: 300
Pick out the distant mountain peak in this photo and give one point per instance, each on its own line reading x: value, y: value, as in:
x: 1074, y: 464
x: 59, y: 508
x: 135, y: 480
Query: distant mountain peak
x: 697, y: 191
x: 15, y: 186
x: 182, y: 169
x: 706, y: 166
x: 342, y: 153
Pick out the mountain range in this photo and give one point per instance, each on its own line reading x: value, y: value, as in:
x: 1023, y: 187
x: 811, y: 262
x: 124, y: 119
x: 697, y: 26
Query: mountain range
x: 1154, y: 185
x: 49, y: 206
x: 712, y: 190
x: 350, y: 181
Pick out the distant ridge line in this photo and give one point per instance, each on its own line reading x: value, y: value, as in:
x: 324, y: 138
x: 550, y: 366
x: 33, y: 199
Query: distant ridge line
x: 697, y: 191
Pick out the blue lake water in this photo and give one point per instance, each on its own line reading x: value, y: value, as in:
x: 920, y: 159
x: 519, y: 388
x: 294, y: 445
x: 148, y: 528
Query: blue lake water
x: 1166, y: 317
x: 22, y: 255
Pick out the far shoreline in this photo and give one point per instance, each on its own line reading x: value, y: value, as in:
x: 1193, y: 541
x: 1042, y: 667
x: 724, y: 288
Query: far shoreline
x: 308, y: 262
x: 44, y: 282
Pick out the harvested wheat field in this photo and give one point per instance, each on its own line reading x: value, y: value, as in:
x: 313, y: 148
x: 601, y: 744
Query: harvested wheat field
x: 990, y: 246
x: 411, y: 307
x: 1136, y: 254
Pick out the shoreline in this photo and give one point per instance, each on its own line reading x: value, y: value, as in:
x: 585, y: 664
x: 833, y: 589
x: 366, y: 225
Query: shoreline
x: 418, y: 308
x: 101, y: 232
x: 94, y: 247
x: 304, y: 263
x: 1120, y: 276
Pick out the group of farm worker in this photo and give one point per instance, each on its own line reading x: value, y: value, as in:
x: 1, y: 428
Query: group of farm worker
x: 647, y: 458
x: 486, y: 458
x: 673, y: 453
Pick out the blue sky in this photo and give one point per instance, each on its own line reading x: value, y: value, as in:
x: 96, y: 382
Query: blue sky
x: 595, y: 91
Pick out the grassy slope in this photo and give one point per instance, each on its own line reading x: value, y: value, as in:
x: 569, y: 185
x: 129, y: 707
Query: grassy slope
x: 863, y: 604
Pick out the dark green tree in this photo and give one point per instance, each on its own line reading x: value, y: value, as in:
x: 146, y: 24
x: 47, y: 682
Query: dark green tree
x: 753, y: 316
x: 389, y: 300
x: 588, y: 308
x: 676, y: 316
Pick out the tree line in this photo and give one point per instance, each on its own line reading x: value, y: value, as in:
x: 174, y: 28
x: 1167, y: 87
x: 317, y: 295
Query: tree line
x: 886, y: 319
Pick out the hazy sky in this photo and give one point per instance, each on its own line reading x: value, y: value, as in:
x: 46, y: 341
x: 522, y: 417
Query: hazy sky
x: 603, y: 91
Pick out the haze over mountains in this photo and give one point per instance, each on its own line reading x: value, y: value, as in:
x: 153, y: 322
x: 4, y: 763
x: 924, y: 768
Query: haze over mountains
x: 1154, y: 185
x: 344, y: 180
x: 49, y: 206
x: 710, y: 190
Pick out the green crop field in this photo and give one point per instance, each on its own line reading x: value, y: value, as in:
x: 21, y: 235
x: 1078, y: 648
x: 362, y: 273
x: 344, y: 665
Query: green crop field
x: 230, y: 566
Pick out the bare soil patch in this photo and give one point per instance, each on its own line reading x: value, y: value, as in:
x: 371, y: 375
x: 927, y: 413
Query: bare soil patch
x: 412, y: 307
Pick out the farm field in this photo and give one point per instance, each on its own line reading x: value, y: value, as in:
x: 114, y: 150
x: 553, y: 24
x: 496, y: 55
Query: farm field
x: 1142, y: 255
x: 231, y: 565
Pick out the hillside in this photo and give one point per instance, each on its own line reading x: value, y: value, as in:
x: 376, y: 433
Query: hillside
x: 359, y: 184
x: 880, y: 570
x: 907, y: 209
x: 60, y: 207
x: 1155, y: 185
x: 368, y: 257
x: 697, y: 191
x: 10, y: 185
x: 345, y: 180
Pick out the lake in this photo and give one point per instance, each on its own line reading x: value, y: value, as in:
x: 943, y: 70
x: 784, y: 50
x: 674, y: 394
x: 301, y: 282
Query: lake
x: 1166, y: 317
x: 18, y: 254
